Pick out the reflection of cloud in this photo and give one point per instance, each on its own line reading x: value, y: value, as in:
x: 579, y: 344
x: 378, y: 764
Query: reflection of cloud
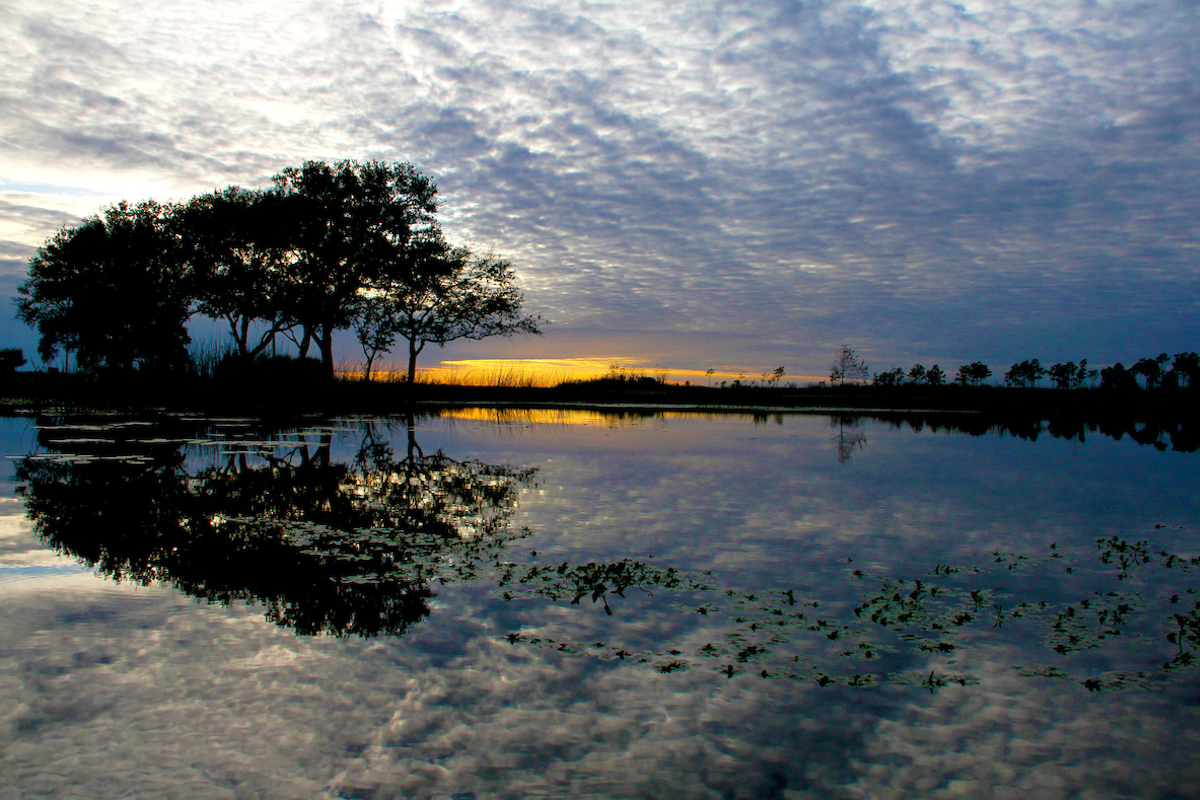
x: 133, y: 690
x: 146, y: 693
x: 20, y: 559
x: 1044, y: 741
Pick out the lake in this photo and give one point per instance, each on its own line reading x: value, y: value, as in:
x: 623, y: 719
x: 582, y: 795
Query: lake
x: 515, y: 603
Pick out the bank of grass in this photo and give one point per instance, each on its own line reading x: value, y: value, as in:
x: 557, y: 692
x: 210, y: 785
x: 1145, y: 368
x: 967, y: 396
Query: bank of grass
x: 492, y: 377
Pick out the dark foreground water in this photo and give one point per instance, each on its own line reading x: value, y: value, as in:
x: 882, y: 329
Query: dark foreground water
x: 542, y: 604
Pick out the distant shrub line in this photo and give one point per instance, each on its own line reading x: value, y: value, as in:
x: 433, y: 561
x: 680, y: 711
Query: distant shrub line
x: 1154, y: 373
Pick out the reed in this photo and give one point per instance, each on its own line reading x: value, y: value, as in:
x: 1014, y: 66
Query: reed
x: 508, y: 378
x: 205, y: 355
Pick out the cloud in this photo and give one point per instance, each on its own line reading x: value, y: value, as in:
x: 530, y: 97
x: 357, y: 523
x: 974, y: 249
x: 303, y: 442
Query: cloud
x: 811, y: 172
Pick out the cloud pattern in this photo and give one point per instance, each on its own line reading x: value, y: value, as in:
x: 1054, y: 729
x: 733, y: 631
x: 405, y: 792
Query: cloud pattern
x: 925, y: 180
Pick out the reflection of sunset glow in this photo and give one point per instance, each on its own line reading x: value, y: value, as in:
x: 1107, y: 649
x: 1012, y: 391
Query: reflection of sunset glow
x: 615, y: 418
x: 534, y: 416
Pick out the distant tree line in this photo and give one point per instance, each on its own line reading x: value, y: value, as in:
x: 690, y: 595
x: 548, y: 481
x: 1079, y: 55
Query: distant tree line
x: 1183, y: 372
x: 348, y: 246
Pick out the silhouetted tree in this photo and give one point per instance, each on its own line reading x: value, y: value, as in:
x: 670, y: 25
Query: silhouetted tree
x: 1025, y: 374
x: 238, y: 245
x: 373, y: 329
x: 328, y: 246
x: 935, y: 376
x: 973, y: 374
x: 1117, y: 377
x: 1152, y: 369
x: 1061, y: 375
x: 1071, y: 375
x: 1187, y: 367
x: 471, y: 297
x: 847, y: 366
x: 1084, y: 375
x: 114, y: 291
x: 891, y: 377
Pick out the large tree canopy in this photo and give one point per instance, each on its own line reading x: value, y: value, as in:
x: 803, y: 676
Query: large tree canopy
x: 238, y: 245
x: 327, y: 248
x: 114, y: 290
x: 352, y: 227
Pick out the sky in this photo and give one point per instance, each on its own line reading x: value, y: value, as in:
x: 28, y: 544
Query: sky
x: 725, y: 185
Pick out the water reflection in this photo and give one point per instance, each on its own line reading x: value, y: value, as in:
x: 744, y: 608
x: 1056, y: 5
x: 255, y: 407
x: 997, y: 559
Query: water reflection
x: 354, y: 542
x: 849, y: 438
x: 342, y: 547
x: 1179, y: 434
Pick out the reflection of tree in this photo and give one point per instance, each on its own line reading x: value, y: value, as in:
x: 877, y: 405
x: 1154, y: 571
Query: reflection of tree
x: 329, y: 547
x: 849, y: 439
x: 1176, y: 432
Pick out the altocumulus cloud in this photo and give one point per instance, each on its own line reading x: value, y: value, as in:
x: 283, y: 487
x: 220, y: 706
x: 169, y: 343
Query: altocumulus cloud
x: 927, y: 181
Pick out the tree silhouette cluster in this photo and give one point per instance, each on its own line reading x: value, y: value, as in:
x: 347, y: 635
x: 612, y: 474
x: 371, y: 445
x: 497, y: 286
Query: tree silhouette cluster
x: 327, y: 248
x: 917, y: 376
x: 1183, y: 372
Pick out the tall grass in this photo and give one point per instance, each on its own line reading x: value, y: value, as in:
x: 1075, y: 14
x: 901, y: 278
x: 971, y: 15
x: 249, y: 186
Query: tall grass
x: 204, y: 356
x: 494, y: 377
x: 511, y: 378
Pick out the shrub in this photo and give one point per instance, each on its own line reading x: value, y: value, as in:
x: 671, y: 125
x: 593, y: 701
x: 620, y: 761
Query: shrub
x: 10, y: 359
x: 270, y: 372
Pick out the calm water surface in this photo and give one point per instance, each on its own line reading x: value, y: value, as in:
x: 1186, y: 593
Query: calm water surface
x: 479, y: 605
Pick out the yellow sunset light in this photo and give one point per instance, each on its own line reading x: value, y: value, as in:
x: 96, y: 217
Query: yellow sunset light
x: 545, y: 372
x: 553, y: 371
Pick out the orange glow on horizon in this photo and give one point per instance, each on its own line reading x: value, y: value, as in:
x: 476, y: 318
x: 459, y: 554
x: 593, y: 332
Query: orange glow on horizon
x: 553, y: 371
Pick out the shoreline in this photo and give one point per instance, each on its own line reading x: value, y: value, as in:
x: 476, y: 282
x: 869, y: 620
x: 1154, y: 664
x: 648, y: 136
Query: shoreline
x: 37, y: 391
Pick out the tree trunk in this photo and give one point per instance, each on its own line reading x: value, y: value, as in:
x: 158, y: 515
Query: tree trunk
x: 414, y: 350
x: 239, y: 337
x: 325, y: 344
x: 244, y: 337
